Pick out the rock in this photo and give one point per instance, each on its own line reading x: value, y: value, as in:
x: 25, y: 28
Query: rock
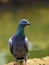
x: 35, y: 61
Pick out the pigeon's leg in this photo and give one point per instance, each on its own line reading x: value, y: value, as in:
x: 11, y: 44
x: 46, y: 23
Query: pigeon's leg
x: 25, y: 62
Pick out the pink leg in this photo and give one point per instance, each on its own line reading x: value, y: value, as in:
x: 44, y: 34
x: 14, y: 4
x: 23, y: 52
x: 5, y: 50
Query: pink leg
x: 24, y: 63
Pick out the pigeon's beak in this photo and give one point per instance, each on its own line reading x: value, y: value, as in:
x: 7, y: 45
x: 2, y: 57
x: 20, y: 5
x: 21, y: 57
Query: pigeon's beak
x: 28, y: 23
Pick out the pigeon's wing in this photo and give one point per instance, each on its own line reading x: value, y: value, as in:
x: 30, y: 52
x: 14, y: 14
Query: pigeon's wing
x: 11, y: 45
x: 26, y: 44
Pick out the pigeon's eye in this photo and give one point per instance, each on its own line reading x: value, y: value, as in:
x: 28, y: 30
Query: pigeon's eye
x: 25, y: 22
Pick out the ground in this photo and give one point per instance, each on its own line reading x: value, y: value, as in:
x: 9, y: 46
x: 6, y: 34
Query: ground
x: 35, y: 61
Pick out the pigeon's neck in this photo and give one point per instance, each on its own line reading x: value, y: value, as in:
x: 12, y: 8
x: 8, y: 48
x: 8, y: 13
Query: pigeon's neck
x: 20, y: 31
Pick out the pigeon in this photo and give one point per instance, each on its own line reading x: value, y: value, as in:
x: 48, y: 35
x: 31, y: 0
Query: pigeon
x: 18, y: 43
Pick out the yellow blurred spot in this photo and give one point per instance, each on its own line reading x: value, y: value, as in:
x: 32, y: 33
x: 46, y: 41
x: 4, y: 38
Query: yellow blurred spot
x: 4, y: 1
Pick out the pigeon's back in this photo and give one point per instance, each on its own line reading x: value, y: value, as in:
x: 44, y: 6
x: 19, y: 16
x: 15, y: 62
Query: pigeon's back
x: 19, y: 50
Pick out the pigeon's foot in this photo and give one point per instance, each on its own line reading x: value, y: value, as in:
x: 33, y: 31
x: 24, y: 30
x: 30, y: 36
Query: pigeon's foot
x: 15, y: 63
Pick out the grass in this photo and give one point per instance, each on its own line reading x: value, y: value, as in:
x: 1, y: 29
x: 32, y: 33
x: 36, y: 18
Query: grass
x: 37, y: 33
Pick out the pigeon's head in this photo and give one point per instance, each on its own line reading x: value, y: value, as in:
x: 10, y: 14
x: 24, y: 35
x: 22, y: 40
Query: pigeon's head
x: 24, y: 22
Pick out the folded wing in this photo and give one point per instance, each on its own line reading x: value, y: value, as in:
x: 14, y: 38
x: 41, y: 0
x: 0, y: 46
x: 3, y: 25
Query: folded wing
x: 11, y: 45
x: 26, y: 44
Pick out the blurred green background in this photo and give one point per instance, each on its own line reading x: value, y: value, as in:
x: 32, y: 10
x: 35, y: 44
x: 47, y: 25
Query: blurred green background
x: 37, y: 33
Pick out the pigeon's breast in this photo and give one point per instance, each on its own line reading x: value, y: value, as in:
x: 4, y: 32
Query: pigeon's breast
x: 19, y: 48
